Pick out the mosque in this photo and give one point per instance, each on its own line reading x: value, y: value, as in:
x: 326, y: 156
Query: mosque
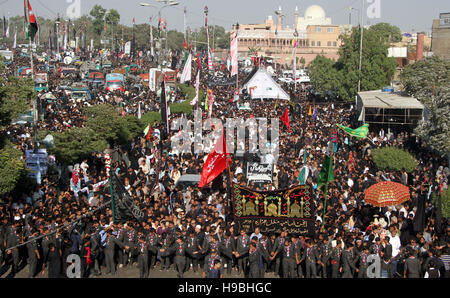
x: 315, y: 33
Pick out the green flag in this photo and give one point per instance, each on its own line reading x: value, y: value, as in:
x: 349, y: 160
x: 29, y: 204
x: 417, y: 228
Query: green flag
x: 302, y: 176
x: 305, y: 156
x: 360, y: 132
x: 326, y: 173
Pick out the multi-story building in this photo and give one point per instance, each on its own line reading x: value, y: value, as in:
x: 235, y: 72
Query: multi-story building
x: 314, y: 33
x: 440, y: 40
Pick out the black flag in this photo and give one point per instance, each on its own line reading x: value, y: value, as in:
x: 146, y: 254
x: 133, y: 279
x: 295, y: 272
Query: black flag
x: 164, y: 111
x: 419, y: 217
x: 123, y: 206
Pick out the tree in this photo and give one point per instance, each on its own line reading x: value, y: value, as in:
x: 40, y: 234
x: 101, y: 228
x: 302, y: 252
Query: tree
x: 112, y: 17
x: 77, y: 143
x: 302, y: 62
x: 11, y: 167
x: 323, y: 75
x: 98, y: 13
x: 390, y: 32
x: 427, y: 80
x: 377, y: 68
x: 175, y: 40
x: 445, y: 202
x: 391, y: 158
x: 106, y: 123
x: 14, y: 95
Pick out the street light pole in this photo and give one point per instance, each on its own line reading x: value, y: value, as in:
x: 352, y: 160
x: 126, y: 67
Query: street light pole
x: 151, y: 38
x: 168, y: 3
x: 360, y: 47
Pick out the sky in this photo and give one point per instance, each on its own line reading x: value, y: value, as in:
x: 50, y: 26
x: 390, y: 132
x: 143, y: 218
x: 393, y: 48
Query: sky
x: 410, y: 15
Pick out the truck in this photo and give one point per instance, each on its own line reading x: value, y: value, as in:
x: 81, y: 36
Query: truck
x: 80, y: 92
x: 41, y: 82
x: 8, y: 56
x: 95, y: 77
x: 115, y: 81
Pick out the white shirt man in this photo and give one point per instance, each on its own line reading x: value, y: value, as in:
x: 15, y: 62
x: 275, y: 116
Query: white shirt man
x: 395, y: 242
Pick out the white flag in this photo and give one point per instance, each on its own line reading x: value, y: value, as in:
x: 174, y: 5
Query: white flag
x: 7, y: 30
x: 197, y: 87
x: 15, y: 41
x: 186, y: 74
x: 127, y: 48
x: 139, y: 111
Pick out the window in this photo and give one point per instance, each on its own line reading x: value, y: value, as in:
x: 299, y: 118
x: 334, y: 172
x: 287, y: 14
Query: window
x: 330, y: 30
x: 334, y: 44
x: 313, y: 43
x: 329, y: 44
x: 318, y: 29
x: 318, y: 43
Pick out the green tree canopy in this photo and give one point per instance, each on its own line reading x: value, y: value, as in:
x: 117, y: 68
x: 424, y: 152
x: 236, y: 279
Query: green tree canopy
x: 324, y: 75
x: 112, y: 17
x: 77, y: 143
x: 106, y: 122
x: 390, y: 32
x: 12, y: 166
x: 428, y: 81
x: 377, y: 68
x: 98, y: 13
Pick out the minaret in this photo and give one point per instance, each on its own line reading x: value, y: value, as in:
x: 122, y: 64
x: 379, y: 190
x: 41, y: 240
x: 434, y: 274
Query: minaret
x: 296, y: 18
x: 279, y: 14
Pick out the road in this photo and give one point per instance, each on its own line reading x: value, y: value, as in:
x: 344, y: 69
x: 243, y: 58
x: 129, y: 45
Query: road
x: 130, y: 271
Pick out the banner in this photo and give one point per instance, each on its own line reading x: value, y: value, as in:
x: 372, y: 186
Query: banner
x: 221, y: 81
x: 256, y: 171
x: 290, y: 210
x: 124, y: 206
x: 127, y: 48
x: 234, y: 56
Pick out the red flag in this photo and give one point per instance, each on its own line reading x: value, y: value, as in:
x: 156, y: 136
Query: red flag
x: 285, y: 119
x: 134, y: 21
x: 216, y: 162
x: 185, y: 45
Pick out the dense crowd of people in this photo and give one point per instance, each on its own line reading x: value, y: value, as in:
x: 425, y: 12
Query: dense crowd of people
x: 187, y: 229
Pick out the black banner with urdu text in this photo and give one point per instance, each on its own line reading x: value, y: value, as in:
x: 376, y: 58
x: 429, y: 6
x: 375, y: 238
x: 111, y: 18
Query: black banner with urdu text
x: 290, y: 210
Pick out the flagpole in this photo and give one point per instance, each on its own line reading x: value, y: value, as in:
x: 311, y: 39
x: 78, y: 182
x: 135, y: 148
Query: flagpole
x: 112, y: 199
x: 326, y: 188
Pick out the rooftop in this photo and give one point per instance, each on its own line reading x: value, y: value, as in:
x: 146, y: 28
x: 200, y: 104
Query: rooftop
x: 388, y: 100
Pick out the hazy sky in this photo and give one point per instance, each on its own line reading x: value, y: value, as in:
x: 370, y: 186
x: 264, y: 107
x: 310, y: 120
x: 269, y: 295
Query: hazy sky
x: 409, y: 15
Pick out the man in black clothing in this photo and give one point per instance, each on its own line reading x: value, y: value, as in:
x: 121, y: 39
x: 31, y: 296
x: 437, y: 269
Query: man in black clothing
x: 152, y: 240
x: 53, y: 262
x: 310, y: 257
x: 33, y: 254
x: 226, y: 251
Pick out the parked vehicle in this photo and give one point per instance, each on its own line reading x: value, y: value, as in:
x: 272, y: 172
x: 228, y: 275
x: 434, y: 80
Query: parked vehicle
x: 115, y: 81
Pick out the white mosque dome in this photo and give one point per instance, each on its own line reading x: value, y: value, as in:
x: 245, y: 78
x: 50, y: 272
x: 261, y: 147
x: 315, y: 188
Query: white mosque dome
x: 314, y: 12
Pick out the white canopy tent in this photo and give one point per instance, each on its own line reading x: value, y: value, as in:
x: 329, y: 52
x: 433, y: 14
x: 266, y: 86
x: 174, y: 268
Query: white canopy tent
x: 263, y: 86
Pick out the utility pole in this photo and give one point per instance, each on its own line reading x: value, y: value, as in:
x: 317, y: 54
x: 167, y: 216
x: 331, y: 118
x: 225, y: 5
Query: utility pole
x: 360, y: 47
x: 151, y: 38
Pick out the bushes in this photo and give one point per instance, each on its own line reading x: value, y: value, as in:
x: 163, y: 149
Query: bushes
x: 392, y: 158
x: 150, y: 118
x: 77, y: 143
x: 185, y: 107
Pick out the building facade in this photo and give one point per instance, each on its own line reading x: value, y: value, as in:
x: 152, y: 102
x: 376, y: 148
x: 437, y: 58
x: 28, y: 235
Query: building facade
x: 440, y: 40
x: 314, y: 33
